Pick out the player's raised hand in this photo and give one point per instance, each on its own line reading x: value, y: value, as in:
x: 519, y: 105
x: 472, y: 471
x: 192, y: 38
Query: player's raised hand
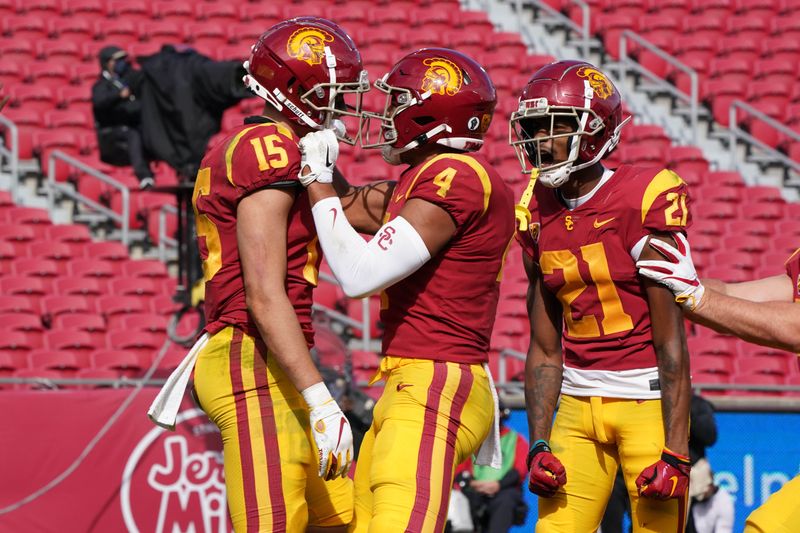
x: 331, y: 432
x: 677, y: 271
x: 666, y: 478
x: 319, y: 151
x: 547, y: 474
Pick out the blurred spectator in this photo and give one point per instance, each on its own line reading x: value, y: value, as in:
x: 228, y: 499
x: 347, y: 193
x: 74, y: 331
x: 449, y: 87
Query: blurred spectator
x: 711, y: 508
x: 702, y: 434
x: 495, y: 495
x: 117, y: 114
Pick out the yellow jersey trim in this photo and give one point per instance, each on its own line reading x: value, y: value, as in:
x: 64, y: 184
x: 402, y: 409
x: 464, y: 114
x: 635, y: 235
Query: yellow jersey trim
x: 483, y: 176
x: 663, y: 181
x: 232, y: 146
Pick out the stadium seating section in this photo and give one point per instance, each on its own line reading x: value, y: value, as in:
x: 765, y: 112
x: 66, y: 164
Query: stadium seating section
x: 68, y: 304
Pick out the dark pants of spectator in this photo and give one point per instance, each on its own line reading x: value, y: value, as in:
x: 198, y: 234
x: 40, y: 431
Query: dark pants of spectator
x: 122, y: 146
x: 618, y: 505
x: 494, y: 514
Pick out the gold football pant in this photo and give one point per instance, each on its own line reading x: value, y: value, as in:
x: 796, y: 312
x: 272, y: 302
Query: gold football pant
x: 270, y: 456
x: 431, y: 417
x: 780, y: 513
x: 592, y: 437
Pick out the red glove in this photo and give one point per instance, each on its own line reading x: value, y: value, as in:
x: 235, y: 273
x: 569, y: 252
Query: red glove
x: 667, y: 478
x: 547, y: 474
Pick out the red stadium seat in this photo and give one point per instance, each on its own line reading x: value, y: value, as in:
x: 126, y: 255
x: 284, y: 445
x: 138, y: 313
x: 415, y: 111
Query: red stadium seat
x: 711, y: 364
x: 66, y: 363
x: 174, y: 10
x: 59, y: 253
x: 54, y: 305
x: 26, y: 323
x: 161, y: 30
x: 36, y: 268
x: 143, y: 344
x: 746, y: 228
x: 24, y: 26
x: 223, y: 13
x: 147, y: 322
x: 8, y: 255
x: 92, y: 268
x: 112, y: 307
x: 103, y: 374
x: 112, y: 251
x: 206, y: 35
x: 92, y: 324
x: 70, y: 340
x: 125, y: 363
x: 728, y: 274
x: 134, y: 286
x: 19, y: 304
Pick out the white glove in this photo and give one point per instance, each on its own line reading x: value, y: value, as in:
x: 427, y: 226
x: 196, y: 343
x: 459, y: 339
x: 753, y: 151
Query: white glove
x: 319, y: 150
x: 677, y: 272
x: 331, y: 432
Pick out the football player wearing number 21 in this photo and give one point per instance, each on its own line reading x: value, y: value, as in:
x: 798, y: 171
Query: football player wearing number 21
x: 283, y: 434
x: 437, y: 253
x: 610, y: 343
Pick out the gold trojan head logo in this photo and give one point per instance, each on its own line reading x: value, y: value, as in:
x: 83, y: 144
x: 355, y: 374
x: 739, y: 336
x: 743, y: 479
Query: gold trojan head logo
x: 601, y: 86
x: 308, y: 44
x: 442, y: 77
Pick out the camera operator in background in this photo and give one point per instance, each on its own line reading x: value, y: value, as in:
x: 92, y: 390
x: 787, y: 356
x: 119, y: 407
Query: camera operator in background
x: 495, y: 495
x: 117, y: 114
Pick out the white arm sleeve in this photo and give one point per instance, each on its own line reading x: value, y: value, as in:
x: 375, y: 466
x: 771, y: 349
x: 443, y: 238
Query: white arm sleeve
x: 362, y: 267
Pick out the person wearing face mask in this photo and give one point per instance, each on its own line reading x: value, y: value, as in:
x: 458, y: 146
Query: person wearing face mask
x: 117, y: 114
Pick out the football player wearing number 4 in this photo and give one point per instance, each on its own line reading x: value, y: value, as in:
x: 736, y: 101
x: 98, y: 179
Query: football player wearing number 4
x: 763, y: 311
x: 611, y: 344
x: 438, y: 258
x: 283, y: 434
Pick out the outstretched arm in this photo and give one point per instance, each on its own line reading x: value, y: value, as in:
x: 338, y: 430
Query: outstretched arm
x: 738, y: 309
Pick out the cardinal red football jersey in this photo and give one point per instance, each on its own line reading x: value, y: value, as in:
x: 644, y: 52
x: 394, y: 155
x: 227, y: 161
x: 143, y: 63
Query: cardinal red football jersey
x: 446, y: 309
x: 253, y: 157
x: 586, y: 258
x: 793, y: 271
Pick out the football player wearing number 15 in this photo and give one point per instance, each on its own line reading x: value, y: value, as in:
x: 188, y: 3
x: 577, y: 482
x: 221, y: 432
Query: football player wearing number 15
x: 609, y: 342
x: 283, y: 434
x: 438, y: 257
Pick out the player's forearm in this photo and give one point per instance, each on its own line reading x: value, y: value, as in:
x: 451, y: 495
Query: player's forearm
x: 676, y: 394
x: 543, y: 375
x: 775, y: 324
x: 277, y: 322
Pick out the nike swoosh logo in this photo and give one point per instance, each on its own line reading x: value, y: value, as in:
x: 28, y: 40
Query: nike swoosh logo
x: 328, y: 158
x: 399, y: 197
x: 342, y: 422
x: 674, y: 480
x: 333, y: 209
x: 598, y: 224
x: 403, y: 386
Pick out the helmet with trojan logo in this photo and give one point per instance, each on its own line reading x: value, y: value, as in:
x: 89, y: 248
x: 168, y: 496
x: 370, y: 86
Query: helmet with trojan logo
x: 574, y: 92
x: 309, y: 69
x: 433, y: 95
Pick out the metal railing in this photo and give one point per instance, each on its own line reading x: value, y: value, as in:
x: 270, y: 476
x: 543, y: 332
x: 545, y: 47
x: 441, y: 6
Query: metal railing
x: 123, y: 219
x: 736, y: 133
x: 12, y: 153
x: 164, y: 239
x: 627, y: 64
x: 582, y: 29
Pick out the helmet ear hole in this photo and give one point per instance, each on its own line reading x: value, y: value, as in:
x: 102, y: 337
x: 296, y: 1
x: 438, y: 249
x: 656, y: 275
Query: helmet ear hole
x: 423, y: 121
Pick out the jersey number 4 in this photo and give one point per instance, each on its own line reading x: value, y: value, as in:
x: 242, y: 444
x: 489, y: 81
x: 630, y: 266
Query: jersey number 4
x: 615, y: 319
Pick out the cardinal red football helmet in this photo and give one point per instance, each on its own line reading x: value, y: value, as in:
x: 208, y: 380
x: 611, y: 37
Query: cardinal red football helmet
x: 433, y: 95
x: 305, y: 67
x: 572, y: 91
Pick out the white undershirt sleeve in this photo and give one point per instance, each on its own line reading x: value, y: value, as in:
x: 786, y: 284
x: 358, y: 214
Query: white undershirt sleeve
x: 367, y: 267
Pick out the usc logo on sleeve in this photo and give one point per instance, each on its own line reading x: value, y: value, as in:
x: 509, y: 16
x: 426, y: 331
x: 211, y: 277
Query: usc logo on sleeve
x: 597, y: 81
x: 442, y: 77
x: 308, y: 44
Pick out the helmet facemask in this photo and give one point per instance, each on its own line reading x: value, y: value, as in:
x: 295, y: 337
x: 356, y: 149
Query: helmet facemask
x: 537, y: 115
x: 380, y: 130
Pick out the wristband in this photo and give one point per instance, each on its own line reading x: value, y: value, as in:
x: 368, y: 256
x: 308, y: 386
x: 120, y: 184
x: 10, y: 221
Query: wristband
x: 316, y: 395
x: 540, y: 445
x: 674, y: 459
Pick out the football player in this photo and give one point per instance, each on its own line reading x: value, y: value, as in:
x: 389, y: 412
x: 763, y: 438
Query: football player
x: 763, y: 311
x: 437, y: 257
x: 283, y: 433
x: 610, y: 344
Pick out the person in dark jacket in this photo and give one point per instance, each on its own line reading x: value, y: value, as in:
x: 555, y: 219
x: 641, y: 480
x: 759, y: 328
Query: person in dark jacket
x: 117, y: 114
